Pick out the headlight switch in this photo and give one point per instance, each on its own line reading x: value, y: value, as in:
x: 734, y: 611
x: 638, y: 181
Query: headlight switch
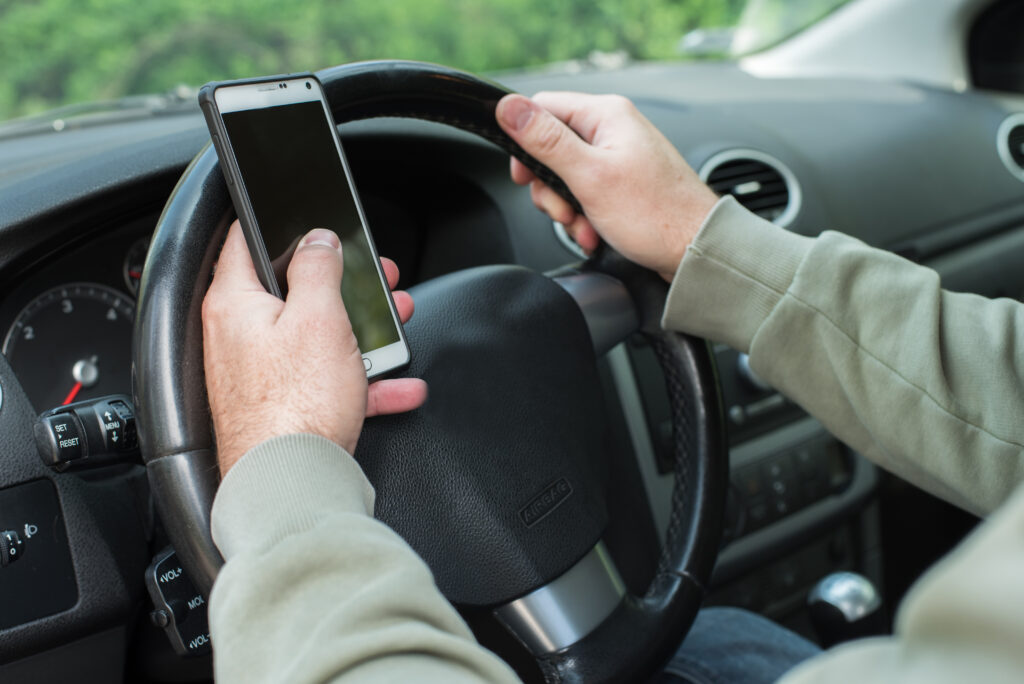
x: 12, y: 548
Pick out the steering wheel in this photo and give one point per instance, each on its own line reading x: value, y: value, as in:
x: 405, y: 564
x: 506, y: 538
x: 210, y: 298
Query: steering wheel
x: 514, y: 527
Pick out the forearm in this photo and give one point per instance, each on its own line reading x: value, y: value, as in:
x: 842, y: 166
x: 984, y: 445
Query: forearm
x: 923, y: 381
x: 314, y: 589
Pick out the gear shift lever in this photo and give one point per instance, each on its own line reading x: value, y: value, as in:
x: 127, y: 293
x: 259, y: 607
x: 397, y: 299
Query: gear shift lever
x: 845, y: 606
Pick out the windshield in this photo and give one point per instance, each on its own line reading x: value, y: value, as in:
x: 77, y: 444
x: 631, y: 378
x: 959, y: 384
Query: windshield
x: 764, y: 23
x: 65, y: 52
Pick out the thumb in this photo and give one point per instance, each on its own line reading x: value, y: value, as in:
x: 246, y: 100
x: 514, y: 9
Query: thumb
x: 543, y: 136
x: 314, y: 274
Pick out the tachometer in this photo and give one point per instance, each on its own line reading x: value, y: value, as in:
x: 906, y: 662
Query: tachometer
x: 72, y: 342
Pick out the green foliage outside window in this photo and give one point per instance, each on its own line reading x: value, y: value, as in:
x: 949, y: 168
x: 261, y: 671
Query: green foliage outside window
x: 55, y: 52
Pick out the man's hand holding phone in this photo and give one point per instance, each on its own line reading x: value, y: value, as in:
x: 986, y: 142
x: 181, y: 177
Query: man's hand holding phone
x: 278, y: 367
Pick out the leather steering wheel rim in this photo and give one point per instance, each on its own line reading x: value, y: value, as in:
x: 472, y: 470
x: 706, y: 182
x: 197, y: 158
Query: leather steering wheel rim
x: 173, y: 413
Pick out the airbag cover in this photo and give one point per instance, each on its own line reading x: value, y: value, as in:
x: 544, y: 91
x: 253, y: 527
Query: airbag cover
x: 498, y: 481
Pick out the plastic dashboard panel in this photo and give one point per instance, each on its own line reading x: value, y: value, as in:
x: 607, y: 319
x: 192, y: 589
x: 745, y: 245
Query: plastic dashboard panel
x: 105, y: 535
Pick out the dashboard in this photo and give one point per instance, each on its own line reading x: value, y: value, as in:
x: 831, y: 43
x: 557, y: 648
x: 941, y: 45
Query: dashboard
x: 933, y: 175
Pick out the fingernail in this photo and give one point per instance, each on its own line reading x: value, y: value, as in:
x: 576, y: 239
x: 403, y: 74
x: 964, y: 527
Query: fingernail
x: 321, y: 236
x: 517, y: 112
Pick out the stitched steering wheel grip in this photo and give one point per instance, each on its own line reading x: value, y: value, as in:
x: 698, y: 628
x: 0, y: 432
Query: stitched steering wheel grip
x: 174, y: 419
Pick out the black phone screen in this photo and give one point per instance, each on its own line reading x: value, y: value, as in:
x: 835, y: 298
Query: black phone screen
x: 295, y: 181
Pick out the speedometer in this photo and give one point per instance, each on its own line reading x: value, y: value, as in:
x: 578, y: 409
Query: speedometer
x: 72, y: 342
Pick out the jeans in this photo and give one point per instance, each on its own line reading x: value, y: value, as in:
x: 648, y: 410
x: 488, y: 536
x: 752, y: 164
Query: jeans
x: 733, y: 646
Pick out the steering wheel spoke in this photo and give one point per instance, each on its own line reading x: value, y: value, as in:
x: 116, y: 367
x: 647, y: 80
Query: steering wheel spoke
x: 606, y: 305
x: 567, y: 609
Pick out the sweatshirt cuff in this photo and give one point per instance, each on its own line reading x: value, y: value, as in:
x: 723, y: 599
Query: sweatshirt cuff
x: 285, y: 486
x: 733, y: 274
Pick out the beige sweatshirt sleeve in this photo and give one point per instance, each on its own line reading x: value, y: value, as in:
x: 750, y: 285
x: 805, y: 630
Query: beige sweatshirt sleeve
x: 315, y: 590
x: 925, y: 382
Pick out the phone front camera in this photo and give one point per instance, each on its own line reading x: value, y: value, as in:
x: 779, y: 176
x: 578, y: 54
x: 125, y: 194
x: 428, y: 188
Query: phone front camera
x: 308, y: 86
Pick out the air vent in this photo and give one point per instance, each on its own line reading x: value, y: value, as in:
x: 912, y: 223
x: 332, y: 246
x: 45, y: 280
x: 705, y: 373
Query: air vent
x: 1010, y: 140
x: 761, y: 183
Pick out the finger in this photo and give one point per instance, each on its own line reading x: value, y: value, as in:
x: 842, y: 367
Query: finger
x: 583, y: 112
x: 390, y: 272
x: 543, y: 136
x: 551, y: 203
x: 234, y: 269
x: 583, y: 232
x: 404, y: 304
x: 395, y: 396
x: 314, y: 274
x: 520, y: 174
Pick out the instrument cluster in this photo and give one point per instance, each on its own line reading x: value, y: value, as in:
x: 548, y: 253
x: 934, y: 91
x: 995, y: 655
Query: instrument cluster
x: 67, y: 321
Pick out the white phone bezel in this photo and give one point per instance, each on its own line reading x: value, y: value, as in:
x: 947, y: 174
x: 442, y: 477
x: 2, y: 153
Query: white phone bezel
x: 234, y: 98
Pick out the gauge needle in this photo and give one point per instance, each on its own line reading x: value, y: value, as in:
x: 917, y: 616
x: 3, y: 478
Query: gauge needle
x: 86, y: 373
x: 72, y: 394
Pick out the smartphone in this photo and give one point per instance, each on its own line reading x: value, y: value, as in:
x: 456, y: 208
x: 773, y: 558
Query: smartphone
x: 287, y: 174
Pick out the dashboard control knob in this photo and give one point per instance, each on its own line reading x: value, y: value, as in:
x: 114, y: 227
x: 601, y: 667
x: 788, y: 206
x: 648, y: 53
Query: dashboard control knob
x: 752, y: 378
x: 11, y: 547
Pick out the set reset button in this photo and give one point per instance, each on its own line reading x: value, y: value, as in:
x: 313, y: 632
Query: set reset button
x: 60, y: 438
